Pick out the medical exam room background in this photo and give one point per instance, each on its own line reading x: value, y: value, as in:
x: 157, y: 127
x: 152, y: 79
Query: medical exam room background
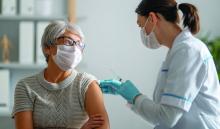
x: 114, y: 48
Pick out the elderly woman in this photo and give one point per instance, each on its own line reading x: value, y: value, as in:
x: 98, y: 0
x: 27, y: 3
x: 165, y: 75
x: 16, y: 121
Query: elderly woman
x: 59, y: 97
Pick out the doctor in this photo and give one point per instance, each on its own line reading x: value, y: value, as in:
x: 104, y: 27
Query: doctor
x: 187, y: 92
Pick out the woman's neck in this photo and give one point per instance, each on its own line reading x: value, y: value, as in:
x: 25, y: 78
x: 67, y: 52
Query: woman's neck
x: 54, y: 74
x: 170, y: 33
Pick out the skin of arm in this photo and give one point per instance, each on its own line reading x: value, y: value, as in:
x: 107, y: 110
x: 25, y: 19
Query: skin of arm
x: 23, y: 120
x: 94, y: 104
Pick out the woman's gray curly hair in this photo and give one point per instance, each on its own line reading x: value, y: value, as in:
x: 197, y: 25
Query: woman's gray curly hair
x: 55, y: 30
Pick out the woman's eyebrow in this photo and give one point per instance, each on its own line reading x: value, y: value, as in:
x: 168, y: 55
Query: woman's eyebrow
x: 65, y: 36
x: 71, y: 38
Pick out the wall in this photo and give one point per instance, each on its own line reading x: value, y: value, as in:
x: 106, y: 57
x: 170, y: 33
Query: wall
x: 113, y: 42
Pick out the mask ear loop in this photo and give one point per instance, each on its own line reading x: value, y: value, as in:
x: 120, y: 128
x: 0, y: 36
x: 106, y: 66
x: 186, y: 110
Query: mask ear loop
x: 153, y: 26
x: 145, y: 25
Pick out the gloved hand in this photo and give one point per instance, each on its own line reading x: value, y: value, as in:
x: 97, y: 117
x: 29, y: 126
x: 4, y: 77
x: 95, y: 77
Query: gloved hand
x: 127, y: 89
x: 109, y: 86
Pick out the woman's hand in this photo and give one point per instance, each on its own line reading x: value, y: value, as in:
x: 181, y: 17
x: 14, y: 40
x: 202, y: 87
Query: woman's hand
x: 94, y: 121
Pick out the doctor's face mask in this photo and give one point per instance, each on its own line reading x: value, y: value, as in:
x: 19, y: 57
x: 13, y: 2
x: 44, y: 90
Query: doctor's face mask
x: 150, y: 40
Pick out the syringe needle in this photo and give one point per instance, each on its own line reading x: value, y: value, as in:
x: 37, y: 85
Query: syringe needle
x: 118, y: 77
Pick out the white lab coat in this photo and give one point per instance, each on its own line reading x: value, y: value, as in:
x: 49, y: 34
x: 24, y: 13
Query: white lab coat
x: 188, y: 82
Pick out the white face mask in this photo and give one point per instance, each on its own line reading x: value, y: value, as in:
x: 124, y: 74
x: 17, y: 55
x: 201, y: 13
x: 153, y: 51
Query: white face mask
x: 150, y: 40
x: 67, y: 57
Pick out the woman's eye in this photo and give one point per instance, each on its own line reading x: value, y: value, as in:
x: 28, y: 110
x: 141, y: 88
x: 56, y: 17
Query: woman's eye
x: 68, y: 42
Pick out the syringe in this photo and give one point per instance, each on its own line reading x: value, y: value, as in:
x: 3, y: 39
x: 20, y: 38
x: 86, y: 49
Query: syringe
x: 117, y: 76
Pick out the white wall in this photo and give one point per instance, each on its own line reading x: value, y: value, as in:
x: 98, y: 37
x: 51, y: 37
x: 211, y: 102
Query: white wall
x: 113, y: 42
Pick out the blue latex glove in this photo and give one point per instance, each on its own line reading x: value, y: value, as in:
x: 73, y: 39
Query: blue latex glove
x: 127, y: 89
x: 109, y: 86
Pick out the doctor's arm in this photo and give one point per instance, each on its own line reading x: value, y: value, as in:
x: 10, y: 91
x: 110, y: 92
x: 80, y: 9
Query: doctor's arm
x: 157, y: 113
x: 142, y: 105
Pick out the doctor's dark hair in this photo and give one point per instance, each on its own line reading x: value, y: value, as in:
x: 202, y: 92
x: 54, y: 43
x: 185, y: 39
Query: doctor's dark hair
x: 169, y: 10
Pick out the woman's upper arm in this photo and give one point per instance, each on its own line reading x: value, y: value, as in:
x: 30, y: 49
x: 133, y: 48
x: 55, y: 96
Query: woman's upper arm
x: 23, y: 120
x: 94, y: 103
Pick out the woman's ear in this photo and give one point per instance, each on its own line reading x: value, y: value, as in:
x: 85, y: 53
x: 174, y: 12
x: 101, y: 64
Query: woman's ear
x: 46, y: 50
x: 50, y: 50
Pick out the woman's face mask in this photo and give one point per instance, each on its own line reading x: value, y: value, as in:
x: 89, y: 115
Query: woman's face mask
x: 150, y: 40
x: 67, y: 57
